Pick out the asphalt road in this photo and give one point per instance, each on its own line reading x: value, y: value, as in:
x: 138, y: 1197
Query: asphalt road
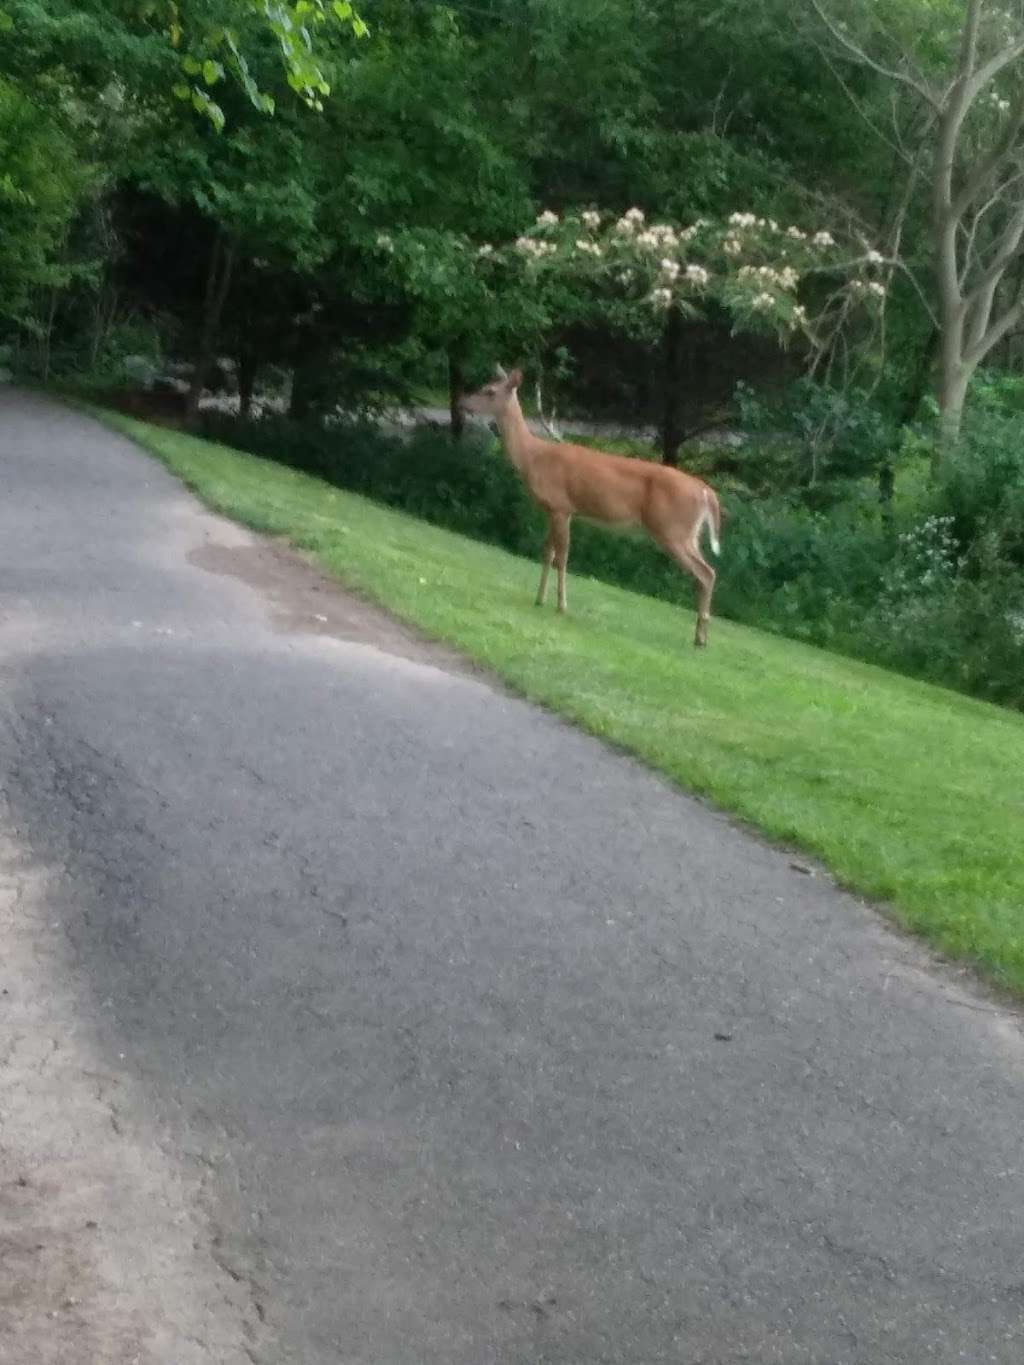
x: 458, y: 1039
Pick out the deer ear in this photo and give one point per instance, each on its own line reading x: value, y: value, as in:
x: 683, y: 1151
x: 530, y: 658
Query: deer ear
x: 500, y: 373
x: 515, y: 379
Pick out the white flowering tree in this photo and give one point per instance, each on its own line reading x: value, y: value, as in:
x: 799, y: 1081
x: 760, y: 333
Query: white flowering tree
x: 648, y: 277
x: 466, y: 309
x: 952, y: 114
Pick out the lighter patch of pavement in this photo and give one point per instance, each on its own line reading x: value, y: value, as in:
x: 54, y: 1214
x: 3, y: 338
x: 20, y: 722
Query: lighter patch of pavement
x: 355, y: 1011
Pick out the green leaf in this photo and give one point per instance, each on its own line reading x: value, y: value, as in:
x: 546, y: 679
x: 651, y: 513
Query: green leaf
x: 190, y: 66
x: 181, y: 91
x: 212, y: 71
x: 359, y: 28
x: 343, y: 9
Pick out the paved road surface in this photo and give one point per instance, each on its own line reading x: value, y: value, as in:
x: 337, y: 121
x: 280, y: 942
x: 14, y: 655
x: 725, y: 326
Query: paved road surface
x: 360, y: 1014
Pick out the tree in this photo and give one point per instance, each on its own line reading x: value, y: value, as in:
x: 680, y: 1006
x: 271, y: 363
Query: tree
x: 41, y: 184
x: 957, y: 124
x: 200, y: 42
x: 424, y: 165
x: 647, y: 278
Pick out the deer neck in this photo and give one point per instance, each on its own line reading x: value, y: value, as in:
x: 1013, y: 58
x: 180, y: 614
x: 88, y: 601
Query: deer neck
x: 519, y: 441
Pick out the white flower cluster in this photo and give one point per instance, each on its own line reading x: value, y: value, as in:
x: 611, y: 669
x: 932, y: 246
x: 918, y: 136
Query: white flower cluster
x: 626, y: 277
x: 874, y: 258
x: 670, y: 269
x: 591, y: 248
x: 485, y: 250
x: 732, y: 246
x: 1001, y: 105
x: 630, y: 221
x: 658, y: 237
x: 871, y: 287
x: 762, y: 302
x: 786, y: 278
x: 823, y: 239
x: 751, y: 220
x: 661, y: 298
x: 547, y: 219
x: 529, y: 246
x: 796, y: 234
x: 385, y: 242
x: 696, y: 274
x: 591, y: 219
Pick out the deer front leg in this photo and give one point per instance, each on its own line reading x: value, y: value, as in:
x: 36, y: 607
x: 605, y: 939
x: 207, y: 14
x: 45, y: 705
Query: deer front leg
x: 560, y: 540
x: 547, y: 560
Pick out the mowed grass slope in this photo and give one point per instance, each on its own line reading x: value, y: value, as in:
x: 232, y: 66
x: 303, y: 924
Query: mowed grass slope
x: 910, y: 794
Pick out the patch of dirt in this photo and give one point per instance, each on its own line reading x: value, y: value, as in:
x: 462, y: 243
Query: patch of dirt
x: 303, y: 600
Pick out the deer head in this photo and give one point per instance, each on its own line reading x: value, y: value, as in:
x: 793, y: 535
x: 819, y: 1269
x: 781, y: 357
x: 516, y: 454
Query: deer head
x: 494, y: 398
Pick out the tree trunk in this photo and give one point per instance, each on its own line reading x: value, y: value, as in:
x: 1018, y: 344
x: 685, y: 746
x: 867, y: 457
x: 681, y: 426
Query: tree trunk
x: 246, y: 383
x: 456, y: 389
x: 46, y: 340
x: 953, y: 385
x: 671, y: 420
x: 218, y: 282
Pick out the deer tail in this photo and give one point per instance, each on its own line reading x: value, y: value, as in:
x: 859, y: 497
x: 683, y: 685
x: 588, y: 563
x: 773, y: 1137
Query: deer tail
x: 711, y: 517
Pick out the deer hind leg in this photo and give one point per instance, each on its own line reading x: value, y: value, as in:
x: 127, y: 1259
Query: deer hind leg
x: 689, y: 558
x: 547, y: 560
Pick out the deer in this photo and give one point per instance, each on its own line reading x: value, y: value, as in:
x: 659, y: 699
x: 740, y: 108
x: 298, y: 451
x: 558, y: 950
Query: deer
x: 568, y: 480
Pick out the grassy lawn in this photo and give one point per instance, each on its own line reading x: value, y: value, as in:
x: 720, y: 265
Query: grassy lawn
x: 910, y: 794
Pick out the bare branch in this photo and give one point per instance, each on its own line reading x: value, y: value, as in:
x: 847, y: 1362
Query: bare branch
x: 1008, y: 246
x: 969, y: 42
x: 969, y: 258
x: 858, y: 107
x: 550, y: 426
x: 718, y: 106
x: 989, y: 165
x: 913, y: 82
x: 987, y: 73
x: 996, y: 332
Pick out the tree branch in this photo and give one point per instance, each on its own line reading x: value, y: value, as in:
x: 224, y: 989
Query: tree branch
x: 987, y: 167
x: 995, y: 333
x: 858, y: 54
x: 858, y: 108
x: 954, y: 106
x: 1010, y: 241
x: 987, y: 73
x: 989, y: 204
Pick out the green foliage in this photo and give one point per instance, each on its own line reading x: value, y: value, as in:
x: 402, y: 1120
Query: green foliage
x: 41, y: 184
x: 813, y: 437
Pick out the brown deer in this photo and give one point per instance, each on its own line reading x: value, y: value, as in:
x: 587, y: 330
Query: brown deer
x: 570, y: 480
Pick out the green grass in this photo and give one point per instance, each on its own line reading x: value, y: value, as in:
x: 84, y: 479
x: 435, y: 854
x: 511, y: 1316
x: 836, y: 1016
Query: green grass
x: 911, y: 795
